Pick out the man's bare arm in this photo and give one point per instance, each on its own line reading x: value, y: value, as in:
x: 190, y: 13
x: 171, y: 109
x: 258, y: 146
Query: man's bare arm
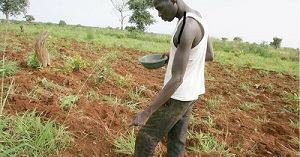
x: 209, y: 51
x: 180, y: 62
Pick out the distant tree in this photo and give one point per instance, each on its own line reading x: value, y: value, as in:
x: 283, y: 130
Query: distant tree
x: 131, y: 28
x: 276, y: 42
x: 141, y: 17
x: 121, y: 6
x: 62, y: 23
x: 29, y: 18
x: 238, y: 39
x: 13, y: 7
x: 264, y: 44
x: 224, y: 39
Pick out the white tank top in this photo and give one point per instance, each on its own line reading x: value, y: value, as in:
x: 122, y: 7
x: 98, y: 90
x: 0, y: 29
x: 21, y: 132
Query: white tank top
x: 193, y: 82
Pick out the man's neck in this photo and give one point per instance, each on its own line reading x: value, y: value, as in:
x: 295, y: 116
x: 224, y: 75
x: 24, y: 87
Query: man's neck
x: 182, y: 7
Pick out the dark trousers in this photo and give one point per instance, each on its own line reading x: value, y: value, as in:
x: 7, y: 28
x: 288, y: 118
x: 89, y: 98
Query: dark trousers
x: 170, y: 119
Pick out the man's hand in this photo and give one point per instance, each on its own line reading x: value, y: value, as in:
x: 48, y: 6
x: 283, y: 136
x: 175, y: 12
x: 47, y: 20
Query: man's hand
x: 140, y: 119
x: 164, y: 55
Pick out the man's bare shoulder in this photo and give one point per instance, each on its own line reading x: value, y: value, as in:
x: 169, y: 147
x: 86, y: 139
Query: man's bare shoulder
x: 191, y: 30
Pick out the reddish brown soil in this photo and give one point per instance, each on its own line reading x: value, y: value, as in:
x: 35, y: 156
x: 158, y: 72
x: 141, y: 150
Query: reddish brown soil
x: 95, y: 123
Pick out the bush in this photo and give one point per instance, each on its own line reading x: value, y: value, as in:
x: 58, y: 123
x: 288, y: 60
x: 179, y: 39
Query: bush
x: 76, y: 63
x: 32, y: 61
x: 276, y: 42
x: 29, y: 18
x: 131, y: 28
x: 62, y: 23
x: 89, y: 35
x: 238, y: 39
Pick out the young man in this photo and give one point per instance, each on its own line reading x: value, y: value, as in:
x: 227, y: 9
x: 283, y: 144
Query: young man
x: 169, y: 113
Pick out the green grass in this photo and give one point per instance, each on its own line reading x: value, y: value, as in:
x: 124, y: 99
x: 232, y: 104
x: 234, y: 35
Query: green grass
x: 4, y: 95
x: 261, y: 120
x: 8, y: 68
x: 294, y: 125
x: 207, y: 143
x: 214, y: 102
x: 28, y: 135
x: 92, y: 95
x: 135, y: 93
x: 209, y: 121
x: 46, y: 83
x: 285, y: 60
x: 248, y: 106
x: 68, y: 102
x: 124, y: 143
x: 259, y: 62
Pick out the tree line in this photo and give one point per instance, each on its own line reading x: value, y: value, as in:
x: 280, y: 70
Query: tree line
x: 140, y: 17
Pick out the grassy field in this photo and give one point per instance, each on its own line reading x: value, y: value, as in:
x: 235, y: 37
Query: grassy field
x: 253, y: 55
x: 78, y: 52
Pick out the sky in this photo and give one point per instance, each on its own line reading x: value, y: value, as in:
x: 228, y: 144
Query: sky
x: 253, y: 20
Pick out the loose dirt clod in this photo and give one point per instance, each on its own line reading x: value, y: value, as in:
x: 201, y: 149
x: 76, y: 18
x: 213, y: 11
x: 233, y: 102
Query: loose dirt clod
x: 41, y: 51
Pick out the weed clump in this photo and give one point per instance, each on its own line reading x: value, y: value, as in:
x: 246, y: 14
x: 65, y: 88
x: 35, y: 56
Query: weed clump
x: 28, y: 135
x: 75, y: 63
x: 8, y: 68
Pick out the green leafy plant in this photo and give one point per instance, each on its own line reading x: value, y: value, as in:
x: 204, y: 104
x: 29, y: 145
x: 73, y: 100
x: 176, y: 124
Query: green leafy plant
x: 76, y: 63
x: 135, y: 94
x: 47, y: 84
x: 67, y: 102
x: 244, y: 87
x: 8, y: 68
x: 92, y: 95
x: 32, y: 61
x: 270, y: 87
x: 123, y: 81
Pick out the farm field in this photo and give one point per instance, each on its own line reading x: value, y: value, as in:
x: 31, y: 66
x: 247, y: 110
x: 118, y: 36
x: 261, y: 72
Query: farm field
x: 96, y: 85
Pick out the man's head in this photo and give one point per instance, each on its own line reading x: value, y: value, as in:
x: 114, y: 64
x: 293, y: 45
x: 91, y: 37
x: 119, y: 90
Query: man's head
x: 167, y: 9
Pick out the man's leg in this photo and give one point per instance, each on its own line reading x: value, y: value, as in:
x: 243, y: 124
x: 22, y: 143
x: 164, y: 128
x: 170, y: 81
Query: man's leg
x: 177, y: 135
x: 158, y: 125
